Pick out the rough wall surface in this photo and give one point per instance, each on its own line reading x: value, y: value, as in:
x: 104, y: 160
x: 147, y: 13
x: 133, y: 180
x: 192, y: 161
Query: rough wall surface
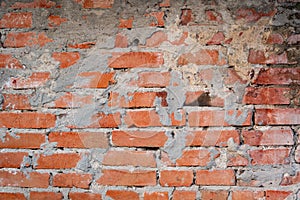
x: 130, y: 99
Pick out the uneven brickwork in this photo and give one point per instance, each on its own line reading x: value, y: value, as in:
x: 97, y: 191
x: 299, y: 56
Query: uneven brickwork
x: 129, y: 100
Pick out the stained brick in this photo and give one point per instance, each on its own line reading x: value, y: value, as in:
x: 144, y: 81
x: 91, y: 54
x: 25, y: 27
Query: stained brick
x: 215, y: 177
x: 16, y: 20
x: 177, y: 178
x: 72, y: 180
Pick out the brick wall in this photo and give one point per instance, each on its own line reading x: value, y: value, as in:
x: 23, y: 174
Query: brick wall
x: 182, y: 100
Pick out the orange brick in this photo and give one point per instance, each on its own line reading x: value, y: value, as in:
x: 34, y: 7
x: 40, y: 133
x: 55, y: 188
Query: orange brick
x: 247, y: 194
x: 72, y: 180
x: 34, y: 4
x: 177, y: 178
x: 84, y: 45
x: 194, y: 157
x: 154, y: 79
x: 215, y: 177
x: 98, y: 3
x: 66, y: 59
x: 277, y: 116
x: 11, y: 159
x: 156, y: 196
x: 283, y: 76
x: 71, y: 100
x: 202, y: 57
x: 23, y: 141
x: 17, y: 40
x: 16, y: 20
x: 58, y: 161
x: 270, y: 156
x: 126, y: 23
x: 184, y: 195
x: 215, y: 195
x: 121, y: 194
x: 37, y: 79
x: 95, y: 79
x: 16, y: 102
x: 55, y: 20
x: 45, y: 196
x: 8, y: 61
x: 85, y: 196
x: 278, y: 195
x: 12, y: 196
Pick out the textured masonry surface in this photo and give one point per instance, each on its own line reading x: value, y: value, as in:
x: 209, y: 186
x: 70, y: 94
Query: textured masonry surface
x: 159, y: 99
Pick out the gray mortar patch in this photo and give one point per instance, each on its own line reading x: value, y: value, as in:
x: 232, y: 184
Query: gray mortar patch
x: 175, y: 144
x: 48, y: 148
x: 3, y: 132
x: 84, y: 163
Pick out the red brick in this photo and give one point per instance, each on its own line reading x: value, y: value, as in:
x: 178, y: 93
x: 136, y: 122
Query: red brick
x: 156, y: 196
x: 66, y: 59
x: 16, y: 20
x: 215, y: 177
x: 18, y: 179
x: 268, y: 96
x: 137, y: 99
x: 12, y: 196
x: 45, y: 196
x: 184, y: 195
x: 247, y: 194
x: 215, y: 195
x: 202, y: 57
x: 23, y: 141
x: 85, y: 196
x: 71, y: 100
x: 127, y: 178
x: 95, y: 79
x: 270, y: 156
x: 84, y: 45
x: 98, y: 3
x: 8, y: 61
x: 139, y: 138
x: 291, y: 179
x: 218, y: 118
x: 294, y: 39
x: 176, y: 178
x: 58, y: 161
x: 37, y: 79
x: 159, y: 19
x: 121, y: 41
x: 275, y: 38
x: 121, y: 194
x: 217, y: 39
x: 27, y: 120
x: 277, y: 116
x: 201, y: 98
x: 156, y: 39
x: 126, y: 23
x: 165, y: 3
x: 55, y: 20
x: 258, y: 57
x: 273, y: 136
x: 154, y: 79
x: 211, y: 138
x: 79, y: 139
x: 236, y: 161
x: 194, y: 157
x: 186, y: 16
x: 34, y: 4
x: 136, y: 60
x: 213, y: 16
x: 133, y: 158
x: 11, y: 159
x: 282, y: 76
x: 251, y: 15
x: 277, y: 195
x: 17, y: 40
x: 16, y: 102
x: 148, y: 118
x: 297, y: 154
x: 72, y: 180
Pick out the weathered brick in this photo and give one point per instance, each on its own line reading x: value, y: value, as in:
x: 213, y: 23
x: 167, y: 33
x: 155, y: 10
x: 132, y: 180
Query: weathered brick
x: 126, y: 23
x: 259, y: 57
x: 291, y: 179
x: 8, y: 61
x: 16, y: 102
x: 72, y: 180
x: 153, y: 79
x: 275, y: 38
x: 277, y: 116
x: 37, y: 79
x: 139, y: 138
x: 215, y: 195
x: 184, y: 195
x: 159, y: 19
x: 215, y: 177
x: 136, y: 60
x: 45, y: 195
x: 23, y: 141
x: 85, y: 196
x: 252, y: 15
x: 55, y: 20
x: 217, y: 39
x: 211, y: 138
x: 27, y: 120
x: 202, y: 57
x: 297, y: 154
x: 122, y: 194
x: 125, y: 158
x: 270, y: 156
x: 269, y: 96
x: 148, y: 118
x: 156, y: 39
x: 236, y: 161
x: 278, y: 195
x: 57, y: 161
x: 201, y: 98
x: 282, y: 76
x: 84, y: 45
x: 79, y: 139
x: 219, y: 118
x: 156, y: 196
x: 213, y: 16
x: 194, y: 157
x: 186, y: 16
x: 127, y: 178
x: 12, y: 196
x: 98, y: 3
x: 247, y: 194
x: 66, y: 59
x: 95, y: 79
x: 272, y: 136
x: 16, y: 20
x: 121, y: 41
x: 137, y: 99
x: 11, y: 159
x: 19, y: 179
x: 71, y: 100
x: 23, y: 39
x: 34, y: 4
x: 176, y: 178
x: 294, y: 39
